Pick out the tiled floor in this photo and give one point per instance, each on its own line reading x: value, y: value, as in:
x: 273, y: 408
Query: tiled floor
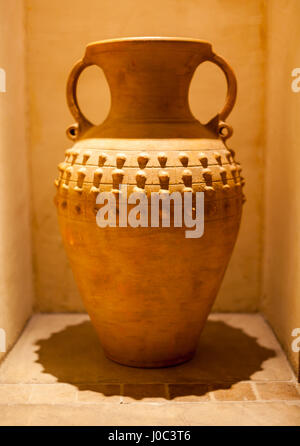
x: 57, y: 375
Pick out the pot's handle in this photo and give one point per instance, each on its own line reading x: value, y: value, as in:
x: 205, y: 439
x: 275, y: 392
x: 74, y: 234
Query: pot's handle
x: 223, y: 129
x: 82, y: 124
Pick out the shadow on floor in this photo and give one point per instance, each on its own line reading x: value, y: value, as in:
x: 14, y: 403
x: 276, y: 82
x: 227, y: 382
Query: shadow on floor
x: 225, y: 356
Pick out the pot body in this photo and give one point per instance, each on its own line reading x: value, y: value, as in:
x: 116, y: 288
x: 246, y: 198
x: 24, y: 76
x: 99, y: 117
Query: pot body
x: 149, y: 290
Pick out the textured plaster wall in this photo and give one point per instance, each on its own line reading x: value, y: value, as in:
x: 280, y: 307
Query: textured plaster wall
x: 281, y: 299
x: 57, y: 33
x: 15, y: 233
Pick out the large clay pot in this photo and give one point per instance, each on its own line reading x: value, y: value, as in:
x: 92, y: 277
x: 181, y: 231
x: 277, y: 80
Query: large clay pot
x: 149, y: 291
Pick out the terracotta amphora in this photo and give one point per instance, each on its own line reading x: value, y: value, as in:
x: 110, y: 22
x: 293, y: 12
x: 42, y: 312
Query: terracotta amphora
x: 149, y: 290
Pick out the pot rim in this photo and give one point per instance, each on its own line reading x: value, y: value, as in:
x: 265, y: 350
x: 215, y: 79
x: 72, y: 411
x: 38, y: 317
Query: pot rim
x: 119, y: 43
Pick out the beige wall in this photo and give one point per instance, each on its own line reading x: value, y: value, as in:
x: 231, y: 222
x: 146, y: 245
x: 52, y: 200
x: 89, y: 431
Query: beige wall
x: 281, y: 299
x: 15, y: 234
x: 57, y: 33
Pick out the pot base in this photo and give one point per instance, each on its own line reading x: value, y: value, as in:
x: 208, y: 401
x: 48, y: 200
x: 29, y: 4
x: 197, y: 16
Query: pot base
x: 151, y: 365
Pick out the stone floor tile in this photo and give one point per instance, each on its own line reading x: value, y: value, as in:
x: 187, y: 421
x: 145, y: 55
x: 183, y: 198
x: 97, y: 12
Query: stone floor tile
x: 189, y: 392
x: 14, y: 393
x: 276, y: 367
x: 14, y: 415
x: 144, y: 392
x: 252, y: 413
x: 103, y: 414
x: 52, y: 394
x: 242, y: 391
x: 99, y: 393
x: 278, y: 391
x: 174, y: 414
x: 21, y: 364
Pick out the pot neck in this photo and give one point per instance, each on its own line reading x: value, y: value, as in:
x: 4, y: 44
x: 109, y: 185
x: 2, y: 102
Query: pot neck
x: 149, y: 96
x: 149, y: 79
